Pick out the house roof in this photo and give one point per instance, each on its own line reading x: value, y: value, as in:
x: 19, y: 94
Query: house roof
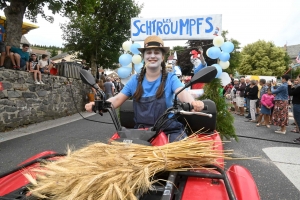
x: 293, y: 50
x: 39, y: 51
x: 60, y: 56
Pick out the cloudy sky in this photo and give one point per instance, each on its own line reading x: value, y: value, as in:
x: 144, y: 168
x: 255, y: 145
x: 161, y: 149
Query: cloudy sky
x: 246, y: 20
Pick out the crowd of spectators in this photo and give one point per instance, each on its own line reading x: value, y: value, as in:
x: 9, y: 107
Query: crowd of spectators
x: 109, y: 85
x: 22, y: 60
x: 267, y: 103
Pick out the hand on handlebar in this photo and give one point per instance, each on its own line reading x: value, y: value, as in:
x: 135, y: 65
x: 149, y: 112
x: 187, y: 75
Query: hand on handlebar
x: 89, y: 106
x: 197, y: 105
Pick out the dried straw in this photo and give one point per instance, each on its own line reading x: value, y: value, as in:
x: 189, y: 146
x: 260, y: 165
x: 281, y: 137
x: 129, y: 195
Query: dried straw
x: 119, y: 170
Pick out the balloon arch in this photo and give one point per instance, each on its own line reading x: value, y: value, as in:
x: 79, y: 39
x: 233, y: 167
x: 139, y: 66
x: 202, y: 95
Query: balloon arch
x: 132, y: 58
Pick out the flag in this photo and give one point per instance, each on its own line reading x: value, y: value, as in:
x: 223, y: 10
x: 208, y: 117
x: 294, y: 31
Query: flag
x: 175, y: 56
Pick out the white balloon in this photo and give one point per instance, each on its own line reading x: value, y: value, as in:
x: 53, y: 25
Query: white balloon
x: 125, y: 80
x: 136, y: 59
x: 126, y: 45
x: 224, y: 65
x: 218, y: 41
x: 225, y: 79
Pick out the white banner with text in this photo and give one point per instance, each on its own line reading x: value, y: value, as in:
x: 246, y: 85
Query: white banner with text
x: 203, y: 27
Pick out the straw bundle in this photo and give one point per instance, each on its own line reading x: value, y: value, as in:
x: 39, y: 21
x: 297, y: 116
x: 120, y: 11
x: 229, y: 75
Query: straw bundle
x: 119, y: 170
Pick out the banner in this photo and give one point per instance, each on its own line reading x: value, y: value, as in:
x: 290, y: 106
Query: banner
x: 178, y: 28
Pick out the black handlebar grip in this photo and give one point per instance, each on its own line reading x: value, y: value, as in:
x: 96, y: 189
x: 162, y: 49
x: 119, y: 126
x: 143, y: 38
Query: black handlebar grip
x: 189, y: 107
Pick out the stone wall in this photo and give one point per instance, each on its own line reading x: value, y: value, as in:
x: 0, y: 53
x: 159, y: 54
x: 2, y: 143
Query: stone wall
x: 22, y: 102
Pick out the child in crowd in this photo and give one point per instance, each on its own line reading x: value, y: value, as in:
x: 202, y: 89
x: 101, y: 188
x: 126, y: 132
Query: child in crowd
x: 267, y: 102
x: 45, y: 64
x: 34, y: 67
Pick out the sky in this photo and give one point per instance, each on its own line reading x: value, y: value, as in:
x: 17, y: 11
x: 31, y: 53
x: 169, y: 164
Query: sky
x: 246, y: 20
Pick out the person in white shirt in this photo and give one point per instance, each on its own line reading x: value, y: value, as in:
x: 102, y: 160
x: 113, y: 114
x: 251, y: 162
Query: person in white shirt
x: 45, y: 64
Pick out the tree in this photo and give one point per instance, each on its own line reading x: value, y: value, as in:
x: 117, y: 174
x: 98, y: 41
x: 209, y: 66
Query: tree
x: 15, y: 10
x: 263, y: 58
x: 225, y: 119
x: 99, y: 36
x: 53, y: 52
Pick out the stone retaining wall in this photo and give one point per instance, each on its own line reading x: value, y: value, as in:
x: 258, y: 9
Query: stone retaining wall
x: 22, y: 102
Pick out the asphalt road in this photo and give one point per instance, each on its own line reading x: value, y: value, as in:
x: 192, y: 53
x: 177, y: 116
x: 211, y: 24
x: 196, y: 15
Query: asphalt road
x: 275, y: 172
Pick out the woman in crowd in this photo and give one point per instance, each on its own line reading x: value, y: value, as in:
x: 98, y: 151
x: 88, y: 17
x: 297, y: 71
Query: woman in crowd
x: 295, y: 92
x: 240, y: 92
x: 252, y: 95
x: 280, y: 113
x: 153, y: 89
x: 233, y: 95
x: 266, y: 105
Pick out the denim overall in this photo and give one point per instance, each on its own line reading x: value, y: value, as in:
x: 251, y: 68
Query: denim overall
x: 149, y: 109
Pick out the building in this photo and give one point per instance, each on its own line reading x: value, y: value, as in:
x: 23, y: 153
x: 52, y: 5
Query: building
x: 293, y: 51
x: 66, y: 56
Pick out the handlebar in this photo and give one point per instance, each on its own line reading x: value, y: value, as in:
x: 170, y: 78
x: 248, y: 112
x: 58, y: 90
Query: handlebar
x: 195, y: 113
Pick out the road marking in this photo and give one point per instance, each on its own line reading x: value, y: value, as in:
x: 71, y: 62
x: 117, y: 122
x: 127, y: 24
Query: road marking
x: 287, y: 160
x: 34, y: 128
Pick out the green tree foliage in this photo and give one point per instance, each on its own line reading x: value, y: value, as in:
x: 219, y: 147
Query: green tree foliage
x: 15, y: 10
x: 99, y: 36
x: 263, y: 58
x: 235, y: 56
x: 224, y: 118
x: 53, y: 52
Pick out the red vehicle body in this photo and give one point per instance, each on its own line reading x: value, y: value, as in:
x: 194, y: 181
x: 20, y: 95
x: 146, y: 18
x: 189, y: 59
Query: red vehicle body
x: 213, y: 184
x: 202, y: 184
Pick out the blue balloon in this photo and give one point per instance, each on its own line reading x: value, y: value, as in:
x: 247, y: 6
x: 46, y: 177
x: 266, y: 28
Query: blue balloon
x: 224, y: 56
x: 227, y: 47
x: 134, y: 48
x: 125, y: 59
x: 219, y: 69
x: 138, y: 67
x: 214, y: 52
x: 124, y: 72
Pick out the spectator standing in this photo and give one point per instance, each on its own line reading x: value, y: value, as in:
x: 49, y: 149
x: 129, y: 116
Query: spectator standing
x: 34, y: 68
x: 119, y: 85
x: 45, y: 64
x: 2, y: 47
x: 19, y: 57
x: 109, y: 88
x: 247, y: 99
x: 240, y: 92
x: 295, y: 92
x: 252, y: 95
x: 280, y: 112
x: 266, y: 105
x: 232, y: 79
x: 263, y: 90
x: 233, y: 95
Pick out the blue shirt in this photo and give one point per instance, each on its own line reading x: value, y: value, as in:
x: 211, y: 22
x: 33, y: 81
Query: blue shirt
x: 2, y: 31
x: 172, y: 83
x: 281, y: 92
x: 24, y: 55
x: 197, y: 69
